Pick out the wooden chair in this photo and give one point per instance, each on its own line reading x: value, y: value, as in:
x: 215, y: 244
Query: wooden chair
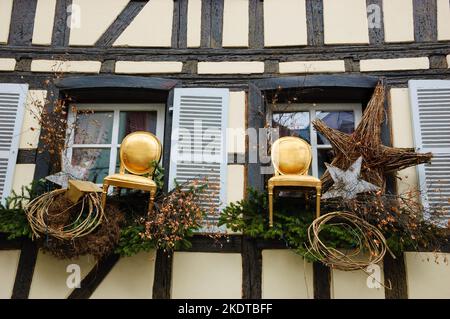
x: 291, y: 158
x: 137, y: 153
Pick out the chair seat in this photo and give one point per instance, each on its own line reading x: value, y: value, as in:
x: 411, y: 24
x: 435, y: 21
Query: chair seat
x: 295, y: 180
x: 130, y: 181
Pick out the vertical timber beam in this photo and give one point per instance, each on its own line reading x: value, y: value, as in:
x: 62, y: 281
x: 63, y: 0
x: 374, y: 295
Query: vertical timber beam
x: 256, y: 24
x: 314, y: 20
x: 322, y: 281
x: 395, y: 276
x: 376, y: 21
x: 251, y: 269
x: 61, y: 28
x: 22, y: 22
x: 162, y: 282
x: 425, y: 20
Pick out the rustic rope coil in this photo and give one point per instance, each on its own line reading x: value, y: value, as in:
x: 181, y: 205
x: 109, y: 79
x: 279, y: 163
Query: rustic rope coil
x: 90, y: 216
x: 370, y: 241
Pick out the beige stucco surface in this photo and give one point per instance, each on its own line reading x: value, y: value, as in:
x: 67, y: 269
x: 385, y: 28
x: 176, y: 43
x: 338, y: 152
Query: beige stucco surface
x: 194, y: 23
x: 443, y: 18
x: 50, y: 276
x: 148, y: 67
x: 428, y: 275
x: 333, y: 66
x: 235, y: 183
x: 131, y: 278
x: 5, y: 19
x: 353, y: 285
x: 230, y: 67
x: 156, y: 19
x: 236, y: 123
x: 95, y: 18
x: 43, y: 22
x: 235, y: 23
x: 286, y: 275
x: 23, y: 176
x: 420, y: 63
x: 9, y: 260
x: 291, y: 15
x: 29, y: 134
x: 206, y: 275
x: 398, y: 20
x: 59, y: 66
x: 345, y: 22
x: 7, y: 64
x: 403, y: 135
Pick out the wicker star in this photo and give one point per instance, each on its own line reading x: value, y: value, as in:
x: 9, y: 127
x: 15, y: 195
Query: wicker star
x: 378, y: 159
x: 348, y: 184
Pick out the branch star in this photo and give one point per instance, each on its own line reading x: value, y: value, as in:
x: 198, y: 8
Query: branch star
x: 348, y: 184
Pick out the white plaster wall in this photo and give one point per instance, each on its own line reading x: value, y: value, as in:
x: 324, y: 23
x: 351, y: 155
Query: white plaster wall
x: 443, y: 17
x: 206, y: 275
x: 5, y: 19
x: 9, y: 260
x: 235, y: 23
x: 29, y: 135
x: 235, y: 183
x: 50, y: 276
x: 428, y: 275
x: 280, y: 16
x: 236, y: 123
x: 286, y: 275
x: 194, y: 23
x: 398, y: 20
x: 95, y: 18
x: 7, y: 64
x: 23, y: 176
x: 345, y: 22
x: 131, y: 278
x: 151, y: 28
x: 43, y: 22
x: 353, y: 285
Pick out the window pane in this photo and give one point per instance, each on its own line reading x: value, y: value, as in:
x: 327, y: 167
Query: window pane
x: 95, y: 163
x: 293, y: 124
x: 94, y: 128
x: 343, y: 121
x: 136, y: 121
x: 324, y: 156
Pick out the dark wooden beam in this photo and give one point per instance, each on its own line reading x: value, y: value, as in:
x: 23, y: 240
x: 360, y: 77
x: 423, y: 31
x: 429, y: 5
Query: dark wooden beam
x: 322, y: 281
x: 94, y: 278
x: 217, y: 7
x: 205, y: 39
x: 175, y: 23
x: 256, y: 24
x: 251, y: 269
x: 425, y: 20
x: 228, y: 244
x: 167, y: 139
x: 22, y: 22
x: 182, y: 23
x: 25, y: 270
x: 124, y: 19
x: 61, y: 31
x: 26, y: 156
x: 395, y: 277
x: 163, y: 275
x: 376, y: 32
x: 314, y: 22
x: 10, y: 244
x: 115, y: 81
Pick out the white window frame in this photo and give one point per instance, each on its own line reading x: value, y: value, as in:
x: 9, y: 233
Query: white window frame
x: 114, y: 145
x: 312, y: 108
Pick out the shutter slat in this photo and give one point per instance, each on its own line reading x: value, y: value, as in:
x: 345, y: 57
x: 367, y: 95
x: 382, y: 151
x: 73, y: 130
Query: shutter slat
x: 430, y: 102
x: 198, y: 146
x: 12, y: 100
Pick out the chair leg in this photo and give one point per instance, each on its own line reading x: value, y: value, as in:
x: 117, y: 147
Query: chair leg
x: 151, y: 201
x: 318, y: 195
x: 270, y: 206
x: 104, y: 194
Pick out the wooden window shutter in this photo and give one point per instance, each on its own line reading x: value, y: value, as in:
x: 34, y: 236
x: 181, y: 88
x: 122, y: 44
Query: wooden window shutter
x: 198, y: 147
x: 12, y: 106
x: 430, y: 100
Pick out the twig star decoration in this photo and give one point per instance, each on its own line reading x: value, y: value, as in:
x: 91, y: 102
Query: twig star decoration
x: 347, y: 184
x: 378, y: 159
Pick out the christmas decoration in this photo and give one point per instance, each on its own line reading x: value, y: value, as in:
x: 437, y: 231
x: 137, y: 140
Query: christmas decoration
x: 378, y: 159
x: 347, y: 184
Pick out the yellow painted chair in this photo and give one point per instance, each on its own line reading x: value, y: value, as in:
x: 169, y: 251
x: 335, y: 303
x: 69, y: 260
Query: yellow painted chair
x: 291, y: 158
x: 137, y: 153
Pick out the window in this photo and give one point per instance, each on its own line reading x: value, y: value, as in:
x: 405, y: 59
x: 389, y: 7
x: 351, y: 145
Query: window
x: 295, y: 120
x: 98, y: 130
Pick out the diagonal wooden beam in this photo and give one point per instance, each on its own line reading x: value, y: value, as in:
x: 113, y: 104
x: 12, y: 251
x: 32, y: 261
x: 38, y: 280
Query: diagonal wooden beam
x: 95, y: 277
x: 128, y: 14
x: 25, y: 270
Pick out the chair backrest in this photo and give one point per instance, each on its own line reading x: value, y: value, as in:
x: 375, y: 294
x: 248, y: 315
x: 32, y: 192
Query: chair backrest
x: 137, y: 152
x: 291, y: 156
